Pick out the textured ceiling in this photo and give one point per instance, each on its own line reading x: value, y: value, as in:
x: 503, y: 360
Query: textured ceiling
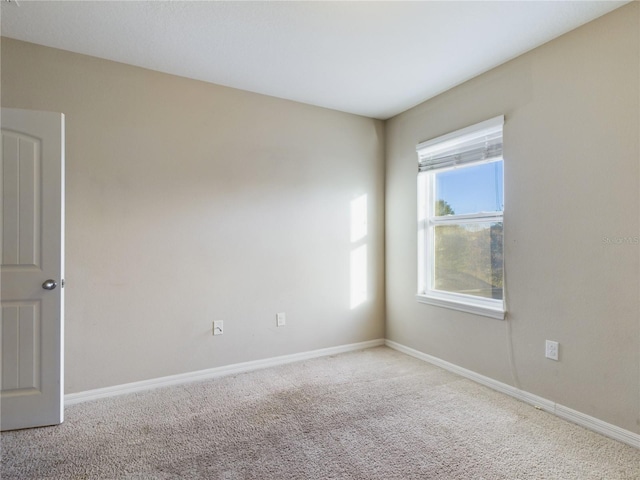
x: 370, y: 58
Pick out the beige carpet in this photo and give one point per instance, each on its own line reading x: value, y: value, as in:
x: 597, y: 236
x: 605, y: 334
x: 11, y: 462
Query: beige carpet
x: 373, y: 414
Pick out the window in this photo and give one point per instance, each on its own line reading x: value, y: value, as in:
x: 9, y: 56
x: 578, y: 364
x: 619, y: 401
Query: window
x: 460, y: 210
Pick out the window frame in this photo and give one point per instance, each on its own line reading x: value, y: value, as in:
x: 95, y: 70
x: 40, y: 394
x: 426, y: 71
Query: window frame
x: 428, y: 221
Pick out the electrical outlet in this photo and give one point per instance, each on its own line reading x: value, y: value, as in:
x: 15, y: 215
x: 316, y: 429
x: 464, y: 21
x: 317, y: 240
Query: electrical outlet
x: 281, y: 319
x: 551, y: 349
x: 218, y: 327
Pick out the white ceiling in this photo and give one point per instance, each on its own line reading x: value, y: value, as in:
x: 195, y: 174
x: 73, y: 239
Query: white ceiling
x: 370, y: 58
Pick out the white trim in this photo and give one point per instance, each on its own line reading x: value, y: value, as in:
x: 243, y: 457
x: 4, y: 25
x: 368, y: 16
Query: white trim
x: 482, y: 217
x: 561, y: 411
x: 200, y: 375
x: 62, y: 256
x: 468, y: 305
x: 428, y: 222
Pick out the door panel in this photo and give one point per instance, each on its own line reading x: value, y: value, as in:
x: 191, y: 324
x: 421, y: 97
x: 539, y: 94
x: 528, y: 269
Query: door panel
x: 21, y: 209
x: 20, y: 347
x: 31, y: 322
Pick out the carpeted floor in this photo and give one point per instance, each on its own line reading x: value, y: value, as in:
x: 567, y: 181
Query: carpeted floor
x: 372, y: 414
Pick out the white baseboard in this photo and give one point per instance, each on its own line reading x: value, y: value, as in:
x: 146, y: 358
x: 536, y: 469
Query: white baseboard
x: 561, y: 411
x: 74, y: 398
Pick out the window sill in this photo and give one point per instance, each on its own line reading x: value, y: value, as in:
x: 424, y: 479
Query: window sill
x: 496, y: 312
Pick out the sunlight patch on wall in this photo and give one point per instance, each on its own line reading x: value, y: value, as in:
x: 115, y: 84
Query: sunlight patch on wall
x: 359, y: 218
x: 359, y: 251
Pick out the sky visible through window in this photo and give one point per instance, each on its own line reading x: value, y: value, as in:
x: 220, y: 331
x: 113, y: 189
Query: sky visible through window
x: 472, y: 189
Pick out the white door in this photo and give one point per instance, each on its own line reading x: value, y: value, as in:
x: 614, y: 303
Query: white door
x: 32, y: 270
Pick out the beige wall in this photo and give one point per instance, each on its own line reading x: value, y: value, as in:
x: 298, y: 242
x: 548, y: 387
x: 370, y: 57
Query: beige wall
x: 571, y: 178
x: 189, y: 202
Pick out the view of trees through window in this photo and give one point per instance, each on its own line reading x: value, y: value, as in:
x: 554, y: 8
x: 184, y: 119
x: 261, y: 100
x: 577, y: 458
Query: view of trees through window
x: 468, y: 256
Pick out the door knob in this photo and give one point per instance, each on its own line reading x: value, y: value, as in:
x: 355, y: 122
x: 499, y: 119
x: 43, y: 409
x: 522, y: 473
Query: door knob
x: 49, y: 284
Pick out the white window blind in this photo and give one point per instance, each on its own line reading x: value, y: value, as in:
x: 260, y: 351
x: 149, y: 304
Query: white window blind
x: 477, y: 143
